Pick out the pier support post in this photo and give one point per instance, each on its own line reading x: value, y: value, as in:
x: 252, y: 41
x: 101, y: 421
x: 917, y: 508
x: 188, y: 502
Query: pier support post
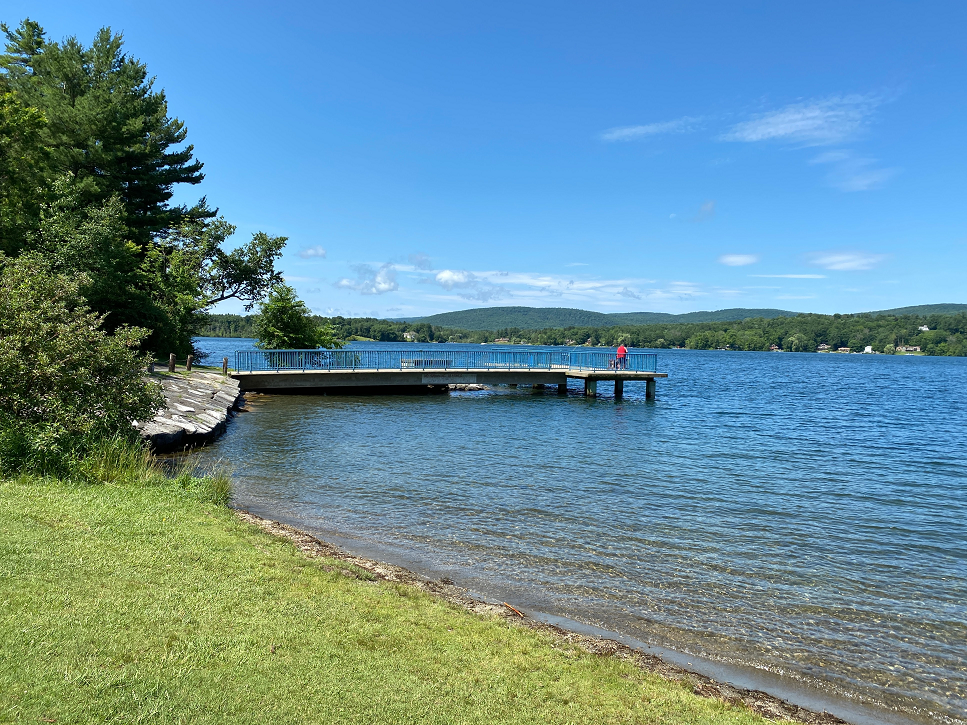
x: 590, y: 387
x: 562, y: 388
x: 171, y: 363
x: 224, y: 366
x: 191, y: 359
x: 538, y: 386
x: 650, y: 389
x: 619, y: 388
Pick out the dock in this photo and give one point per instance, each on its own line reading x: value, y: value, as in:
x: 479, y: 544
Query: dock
x: 412, y: 370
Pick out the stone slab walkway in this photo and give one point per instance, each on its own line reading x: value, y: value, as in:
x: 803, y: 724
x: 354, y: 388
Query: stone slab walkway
x: 198, y: 406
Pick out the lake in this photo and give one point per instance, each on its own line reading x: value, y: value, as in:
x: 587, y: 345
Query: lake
x: 794, y: 515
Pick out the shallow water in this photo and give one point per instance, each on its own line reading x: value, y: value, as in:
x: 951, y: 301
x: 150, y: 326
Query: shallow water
x: 800, y: 513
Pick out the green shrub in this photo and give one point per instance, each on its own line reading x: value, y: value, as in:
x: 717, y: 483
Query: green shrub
x: 65, y: 384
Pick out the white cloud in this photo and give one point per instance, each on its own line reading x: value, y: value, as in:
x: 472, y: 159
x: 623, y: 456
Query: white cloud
x: 738, y: 260
x: 315, y: 252
x: 421, y: 261
x: 370, y: 281
x: 705, y: 212
x: 813, y: 123
x: 630, y: 293
x: 631, y: 133
x: 468, y: 285
x: 852, y: 173
x: 846, y: 261
x: 790, y: 276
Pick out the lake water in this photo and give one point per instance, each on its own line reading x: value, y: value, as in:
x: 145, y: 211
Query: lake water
x: 800, y: 514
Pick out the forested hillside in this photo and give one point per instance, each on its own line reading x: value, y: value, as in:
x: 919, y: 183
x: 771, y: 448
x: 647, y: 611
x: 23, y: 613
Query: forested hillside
x: 947, y: 334
x: 493, y: 318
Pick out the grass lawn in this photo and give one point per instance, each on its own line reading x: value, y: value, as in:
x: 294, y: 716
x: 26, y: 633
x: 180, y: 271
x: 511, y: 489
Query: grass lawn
x: 129, y: 603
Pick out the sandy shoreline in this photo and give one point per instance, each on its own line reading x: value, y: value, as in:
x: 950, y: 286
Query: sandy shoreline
x: 758, y: 701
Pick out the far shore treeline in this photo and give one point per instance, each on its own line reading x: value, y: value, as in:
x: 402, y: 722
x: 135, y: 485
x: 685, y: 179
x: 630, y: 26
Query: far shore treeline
x: 945, y: 334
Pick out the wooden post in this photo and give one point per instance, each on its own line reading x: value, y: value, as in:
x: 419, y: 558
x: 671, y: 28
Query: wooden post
x: 151, y: 367
x: 650, y: 389
x: 590, y: 387
x: 619, y: 388
x: 171, y: 363
x: 562, y: 388
x: 224, y: 366
x: 190, y: 359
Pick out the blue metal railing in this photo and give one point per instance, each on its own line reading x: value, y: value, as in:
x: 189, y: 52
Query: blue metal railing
x: 440, y: 359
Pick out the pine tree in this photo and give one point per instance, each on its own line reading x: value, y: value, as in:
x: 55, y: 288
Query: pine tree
x: 108, y: 128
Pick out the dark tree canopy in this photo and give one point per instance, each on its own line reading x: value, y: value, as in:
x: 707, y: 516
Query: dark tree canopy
x: 107, y: 126
x: 89, y: 160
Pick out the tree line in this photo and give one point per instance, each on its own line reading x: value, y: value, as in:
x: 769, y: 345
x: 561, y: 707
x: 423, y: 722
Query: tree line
x: 946, y: 334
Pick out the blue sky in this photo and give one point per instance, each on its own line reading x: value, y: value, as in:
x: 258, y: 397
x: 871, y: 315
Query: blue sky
x: 426, y: 157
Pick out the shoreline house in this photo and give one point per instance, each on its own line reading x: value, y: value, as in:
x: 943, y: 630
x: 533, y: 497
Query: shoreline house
x: 908, y: 348
x: 410, y: 336
x: 823, y: 347
x: 842, y: 349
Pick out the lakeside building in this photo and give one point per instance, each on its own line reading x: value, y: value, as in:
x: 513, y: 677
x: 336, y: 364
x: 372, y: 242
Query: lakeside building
x: 410, y: 336
x: 823, y: 347
x: 908, y: 348
x: 923, y: 328
x: 502, y: 340
x: 843, y: 349
x: 868, y: 349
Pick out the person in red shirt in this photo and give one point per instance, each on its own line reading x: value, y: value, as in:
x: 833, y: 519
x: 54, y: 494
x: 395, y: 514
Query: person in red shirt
x: 622, y: 361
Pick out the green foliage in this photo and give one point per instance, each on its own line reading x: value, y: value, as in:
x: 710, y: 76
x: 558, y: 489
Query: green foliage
x: 285, y: 323
x: 89, y: 159
x: 23, y: 165
x: 64, y: 383
x: 109, y: 129
x: 119, y: 461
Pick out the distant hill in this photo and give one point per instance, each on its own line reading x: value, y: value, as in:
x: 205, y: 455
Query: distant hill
x: 532, y: 318
x: 942, y: 309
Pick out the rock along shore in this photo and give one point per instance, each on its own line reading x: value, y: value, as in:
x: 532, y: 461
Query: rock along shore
x: 198, y: 406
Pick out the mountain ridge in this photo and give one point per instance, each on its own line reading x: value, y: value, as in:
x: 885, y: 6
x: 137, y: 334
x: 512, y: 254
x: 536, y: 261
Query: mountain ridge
x: 532, y: 318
